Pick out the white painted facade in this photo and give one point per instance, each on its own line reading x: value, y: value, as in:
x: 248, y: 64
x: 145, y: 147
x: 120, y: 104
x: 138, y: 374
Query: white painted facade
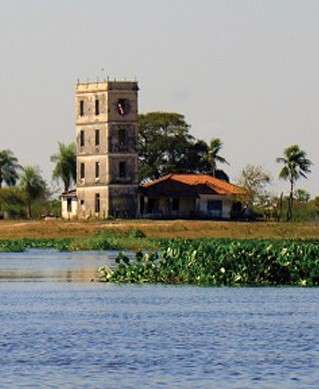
x: 69, y: 207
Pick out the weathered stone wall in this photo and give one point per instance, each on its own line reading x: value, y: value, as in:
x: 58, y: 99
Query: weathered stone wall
x: 86, y: 202
x: 123, y: 201
x: 89, y: 107
x: 89, y: 147
x: 120, y: 200
x: 90, y: 179
x: 116, y: 144
x: 114, y: 169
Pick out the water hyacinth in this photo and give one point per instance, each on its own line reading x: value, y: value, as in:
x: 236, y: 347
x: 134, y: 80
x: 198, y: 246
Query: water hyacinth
x: 223, y: 262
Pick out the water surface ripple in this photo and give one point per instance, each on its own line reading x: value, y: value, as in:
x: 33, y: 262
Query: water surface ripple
x: 91, y: 335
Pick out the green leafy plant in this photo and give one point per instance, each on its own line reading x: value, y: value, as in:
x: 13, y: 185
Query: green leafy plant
x: 223, y: 262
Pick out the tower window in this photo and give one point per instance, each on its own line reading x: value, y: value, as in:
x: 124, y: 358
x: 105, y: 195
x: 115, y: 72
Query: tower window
x: 122, y: 136
x: 97, y: 202
x: 82, y: 138
x: 97, y: 107
x: 97, y: 137
x: 97, y: 169
x: 122, y: 169
x: 81, y: 107
x: 82, y: 170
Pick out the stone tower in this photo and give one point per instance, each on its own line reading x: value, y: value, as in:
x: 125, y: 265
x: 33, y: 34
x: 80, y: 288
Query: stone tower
x: 106, y: 135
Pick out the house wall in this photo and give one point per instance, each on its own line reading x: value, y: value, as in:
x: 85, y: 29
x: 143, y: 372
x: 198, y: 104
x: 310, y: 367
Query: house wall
x: 74, y: 208
x: 188, y: 207
x: 226, y: 201
x: 164, y: 207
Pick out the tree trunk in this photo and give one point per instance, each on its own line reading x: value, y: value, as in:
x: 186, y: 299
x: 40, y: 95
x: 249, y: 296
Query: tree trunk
x: 290, y: 202
x: 29, y: 210
x: 280, y: 206
x: 213, y: 165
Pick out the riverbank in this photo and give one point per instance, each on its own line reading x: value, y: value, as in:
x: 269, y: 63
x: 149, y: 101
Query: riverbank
x: 190, y: 229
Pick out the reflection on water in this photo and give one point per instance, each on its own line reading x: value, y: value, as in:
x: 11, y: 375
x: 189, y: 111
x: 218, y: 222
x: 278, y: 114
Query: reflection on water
x: 51, y: 265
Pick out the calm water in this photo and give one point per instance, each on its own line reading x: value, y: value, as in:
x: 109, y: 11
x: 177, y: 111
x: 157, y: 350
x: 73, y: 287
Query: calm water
x: 60, y: 334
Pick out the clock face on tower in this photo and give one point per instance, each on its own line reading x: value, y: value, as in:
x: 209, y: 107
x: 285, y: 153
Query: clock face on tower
x: 123, y: 106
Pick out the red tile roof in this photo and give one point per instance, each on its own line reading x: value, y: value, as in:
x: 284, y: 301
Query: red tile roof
x: 219, y: 186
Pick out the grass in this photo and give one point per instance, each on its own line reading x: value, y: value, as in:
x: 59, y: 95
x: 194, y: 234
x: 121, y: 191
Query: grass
x: 158, y: 229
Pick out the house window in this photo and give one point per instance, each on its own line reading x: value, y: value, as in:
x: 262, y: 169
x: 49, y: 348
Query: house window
x: 69, y: 204
x: 175, y: 205
x: 81, y: 107
x: 97, y: 137
x: 122, y: 136
x: 122, y: 169
x: 97, y: 202
x: 97, y: 169
x: 82, y: 138
x: 97, y: 107
x: 82, y: 170
x: 215, y: 207
x: 82, y: 204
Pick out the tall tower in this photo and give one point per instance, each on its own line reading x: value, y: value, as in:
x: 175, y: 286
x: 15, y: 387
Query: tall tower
x: 106, y: 135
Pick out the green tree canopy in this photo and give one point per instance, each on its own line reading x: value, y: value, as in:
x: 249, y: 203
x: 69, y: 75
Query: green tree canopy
x: 295, y: 165
x: 165, y: 145
x: 302, y: 195
x: 12, y: 202
x: 8, y: 168
x: 214, y: 156
x: 33, y: 186
x: 65, y: 165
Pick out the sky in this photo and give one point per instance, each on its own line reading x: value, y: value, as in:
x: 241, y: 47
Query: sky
x: 246, y: 71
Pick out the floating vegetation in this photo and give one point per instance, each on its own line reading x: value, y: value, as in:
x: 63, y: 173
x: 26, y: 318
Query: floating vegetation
x: 222, y: 262
x: 132, y: 240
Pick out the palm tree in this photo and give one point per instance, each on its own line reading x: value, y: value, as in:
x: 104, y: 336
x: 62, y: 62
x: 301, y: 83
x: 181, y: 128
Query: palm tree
x: 213, y: 155
x: 65, y: 165
x: 33, y: 186
x: 296, y: 165
x: 8, y: 168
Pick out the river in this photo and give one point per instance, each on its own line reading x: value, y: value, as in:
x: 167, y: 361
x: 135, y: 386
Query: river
x: 60, y: 330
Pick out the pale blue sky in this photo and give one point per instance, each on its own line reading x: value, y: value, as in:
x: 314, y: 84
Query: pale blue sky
x: 246, y: 71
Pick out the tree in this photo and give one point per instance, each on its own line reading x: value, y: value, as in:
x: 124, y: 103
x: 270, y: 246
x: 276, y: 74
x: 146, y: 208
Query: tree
x: 12, y: 202
x: 8, y: 168
x: 65, y: 165
x: 302, y: 196
x: 166, y: 146
x: 33, y: 186
x: 255, y: 180
x: 296, y: 165
x: 215, y: 147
